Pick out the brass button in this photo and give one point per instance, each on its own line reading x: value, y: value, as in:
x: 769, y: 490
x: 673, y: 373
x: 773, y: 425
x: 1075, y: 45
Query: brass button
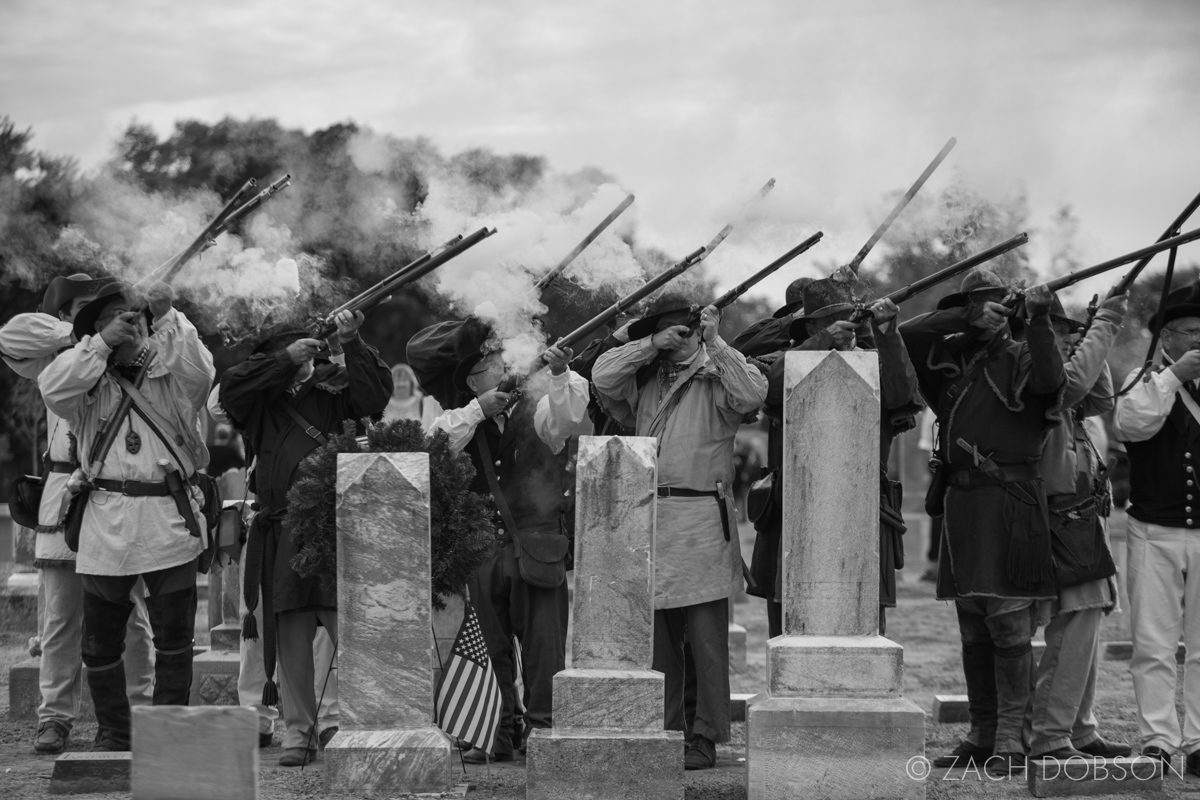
x: 498, y: 462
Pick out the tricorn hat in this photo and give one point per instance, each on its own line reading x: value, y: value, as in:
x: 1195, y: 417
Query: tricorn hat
x: 1182, y: 302
x: 824, y: 298
x: 978, y: 279
x: 64, y: 290
x: 108, y: 293
x: 662, y: 309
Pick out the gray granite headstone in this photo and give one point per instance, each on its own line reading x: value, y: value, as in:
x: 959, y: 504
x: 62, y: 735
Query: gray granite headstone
x: 195, y: 753
x: 832, y: 722
x: 608, y: 739
x: 388, y: 743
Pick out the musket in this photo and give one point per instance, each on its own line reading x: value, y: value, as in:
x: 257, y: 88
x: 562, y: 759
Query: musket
x: 549, y: 277
x: 231, y: 213
x: 904, y: 201
x: 641, y: 293
x: 731, y: 296
x: 945, y: 274
x: 1172, y: 230
x: 386, y: 286
x: 404, y: 276
x: 1142, y: 256
x: 1016, y: 296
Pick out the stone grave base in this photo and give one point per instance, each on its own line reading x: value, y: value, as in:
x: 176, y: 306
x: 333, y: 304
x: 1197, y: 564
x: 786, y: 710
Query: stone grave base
x: 829, y: 747
x: 214, y: 678
x: 384, y: 763
x: 834, y: 666
x: 617, y: 699
x: 1077, y: 777
x: 85, y: 773
x: 604, y: 764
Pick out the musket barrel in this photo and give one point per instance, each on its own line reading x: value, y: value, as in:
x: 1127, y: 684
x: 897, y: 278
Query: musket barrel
x: 733, y: 294
x: 900, y: 206
x: 1145, y: 253
x: 385, y: 285
x: 328, y: 328
x: 549, y: 277
x: 918, y: 286
x: 1172, y: 229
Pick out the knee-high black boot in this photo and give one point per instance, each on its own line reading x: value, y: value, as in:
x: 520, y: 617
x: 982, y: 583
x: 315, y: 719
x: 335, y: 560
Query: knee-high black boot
x: 103, y: 646
x: 173, y: 619
x: 979, y: 669
x: 107, y: 685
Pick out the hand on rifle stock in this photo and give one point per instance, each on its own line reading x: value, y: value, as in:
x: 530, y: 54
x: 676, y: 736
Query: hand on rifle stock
x: 1115, y: 300
x: 1187, y: 366
x: 670, y: 338
x: 710, y: 319
x: 348, y: 323
x: 1038, y: 301
x: 492, y: 402
x: 121, y: 329
x: 991, y: 317
x: 883, y: 310
x: 304, y: 350
x: 557, y: 358
x: 844, y: 334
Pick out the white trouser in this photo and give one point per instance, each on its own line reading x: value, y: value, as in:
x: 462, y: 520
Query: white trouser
x: 1163, y: 580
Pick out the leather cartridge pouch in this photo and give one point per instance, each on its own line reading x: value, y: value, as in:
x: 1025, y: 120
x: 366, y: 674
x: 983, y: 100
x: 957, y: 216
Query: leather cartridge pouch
x: 541, y: 557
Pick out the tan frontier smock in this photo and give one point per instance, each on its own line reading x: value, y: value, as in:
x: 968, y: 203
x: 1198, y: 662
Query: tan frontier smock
x: 693, y: 563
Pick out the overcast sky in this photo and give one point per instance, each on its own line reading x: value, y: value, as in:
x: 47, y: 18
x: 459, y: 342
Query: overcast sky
x: 691, y: 105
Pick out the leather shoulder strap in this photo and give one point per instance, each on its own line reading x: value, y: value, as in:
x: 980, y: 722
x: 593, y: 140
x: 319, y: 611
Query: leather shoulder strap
x: 489, y: 472
x: 304, y: 424
x: 156, y: 422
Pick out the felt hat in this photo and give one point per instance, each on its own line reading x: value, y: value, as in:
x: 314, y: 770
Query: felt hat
x: 793, y: 298
x: 663, y: 309
x: 978, y: 279
x: 110, y: 292
x: 840, y: 292
x: 1183, y: 302
x: 279, y: 336
x: 64, y: 290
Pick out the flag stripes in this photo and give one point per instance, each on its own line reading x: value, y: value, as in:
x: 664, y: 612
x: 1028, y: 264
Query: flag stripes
x: 467, y: 703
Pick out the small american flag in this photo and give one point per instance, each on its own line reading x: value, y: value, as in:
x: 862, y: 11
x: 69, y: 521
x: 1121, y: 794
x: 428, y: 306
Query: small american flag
x: 467, y: 705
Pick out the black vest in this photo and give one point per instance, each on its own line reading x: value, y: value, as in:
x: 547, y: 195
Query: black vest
x: 1164, y: 470
x: 538, y: 485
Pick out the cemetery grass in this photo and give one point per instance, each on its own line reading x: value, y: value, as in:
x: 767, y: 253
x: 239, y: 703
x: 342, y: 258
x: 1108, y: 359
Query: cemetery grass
x: 925, y: 627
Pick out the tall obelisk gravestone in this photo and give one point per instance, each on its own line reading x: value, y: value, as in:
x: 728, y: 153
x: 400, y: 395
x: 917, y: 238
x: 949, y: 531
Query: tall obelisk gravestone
x: 608, y: 739
x: 387, y: 744
x: 832, y: 722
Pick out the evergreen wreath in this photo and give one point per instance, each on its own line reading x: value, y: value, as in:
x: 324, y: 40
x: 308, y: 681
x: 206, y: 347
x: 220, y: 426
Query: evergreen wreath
x: 460, y: 519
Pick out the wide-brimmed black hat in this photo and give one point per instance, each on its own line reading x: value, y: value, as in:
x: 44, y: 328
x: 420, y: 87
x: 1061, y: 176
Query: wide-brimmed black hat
x: 280, y: 336
x: 840, y: 292
x: 977, y: 279
x: 65, y: 289
x: 664, y: 305
x: 110, y: 292
x: 1182, y: 302
x: 793, y: 298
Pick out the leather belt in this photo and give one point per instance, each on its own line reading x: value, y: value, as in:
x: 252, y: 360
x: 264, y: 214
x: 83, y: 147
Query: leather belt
x: 137, y: 488
x: 1001, y: 475
x: 61, y: 467
x: 674, y: 491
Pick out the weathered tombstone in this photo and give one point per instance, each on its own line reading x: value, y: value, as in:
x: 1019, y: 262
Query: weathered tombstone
x: 195, y: 753
x: 608, y: 739
x: 832, y: 722
x: 20, y: 591
x: 388, y: 743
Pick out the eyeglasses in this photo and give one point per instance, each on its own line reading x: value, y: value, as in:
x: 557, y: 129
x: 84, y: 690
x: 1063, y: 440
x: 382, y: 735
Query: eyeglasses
x: 1190, y: 333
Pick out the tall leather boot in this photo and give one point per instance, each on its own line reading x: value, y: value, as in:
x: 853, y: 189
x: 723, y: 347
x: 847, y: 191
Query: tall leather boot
x: 1014, y: 666
x: 173, y: 619
x: 979, y: 670
x: 102, y: 649
x: 107, y: 684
